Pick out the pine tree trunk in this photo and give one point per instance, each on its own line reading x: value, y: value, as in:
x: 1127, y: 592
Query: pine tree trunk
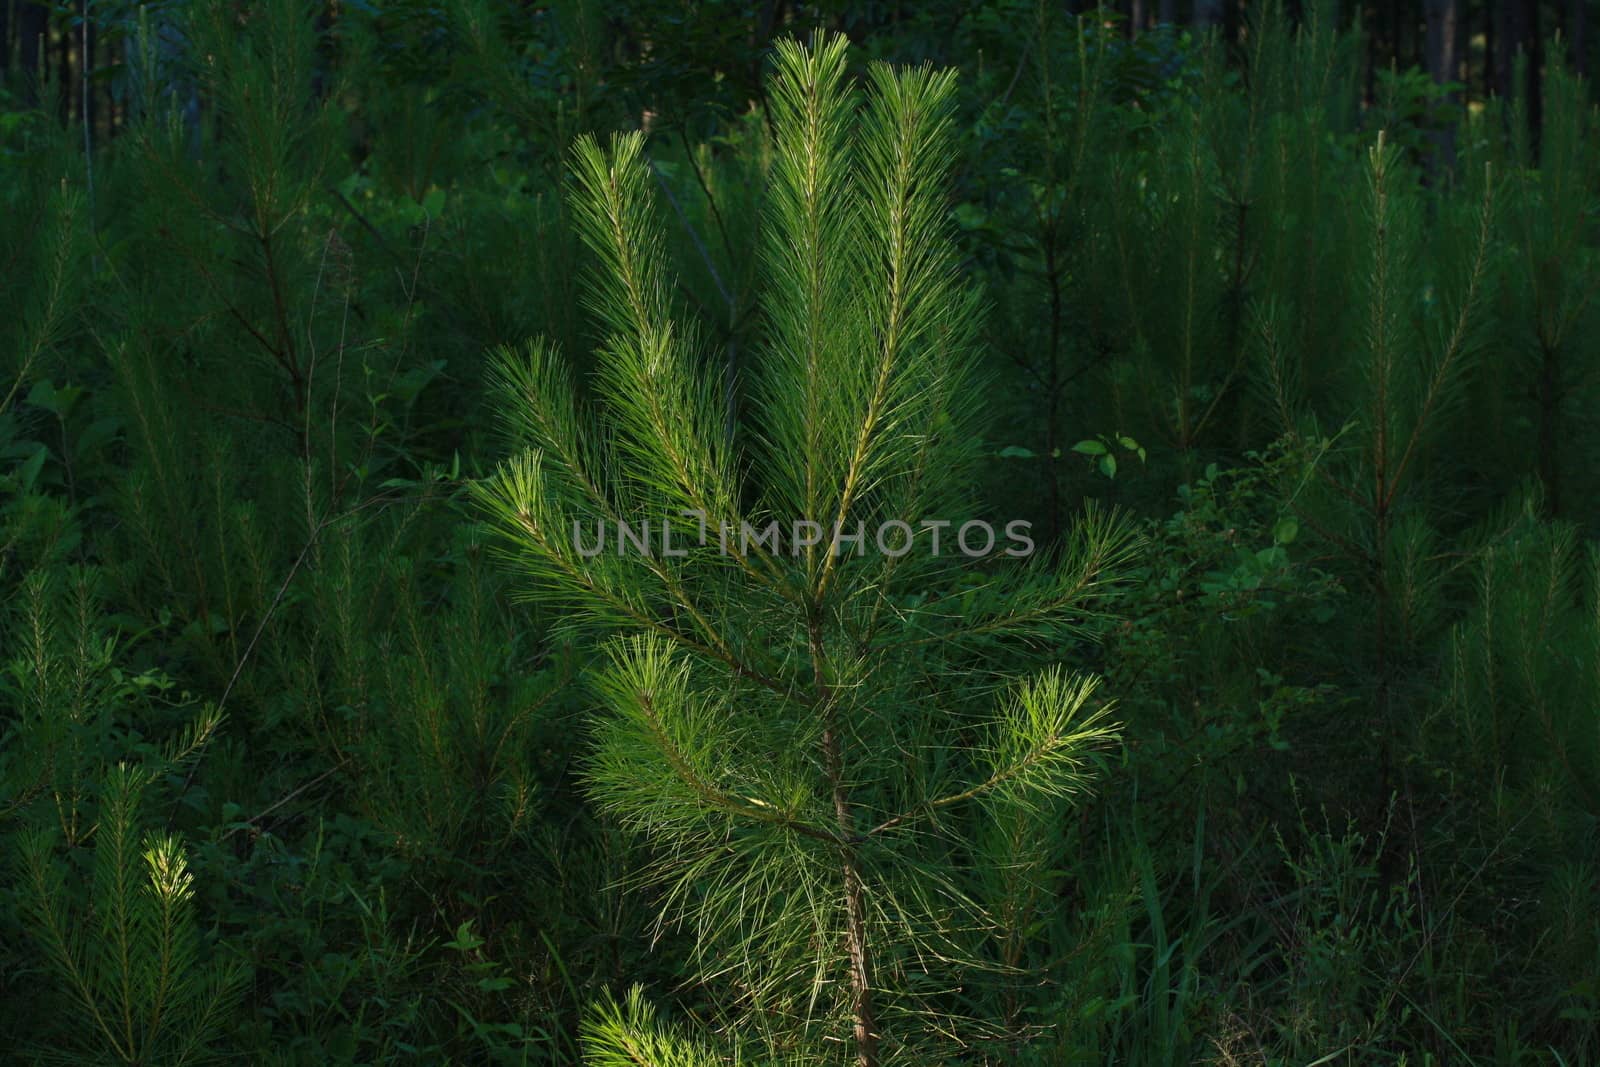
x: 1508, y: 42
x: 856, y: 942
x: 1207, y: 13
x: 866, y: 1023
x: 1443, y: 18
x: 87, y: 39
x: 1490, y: 61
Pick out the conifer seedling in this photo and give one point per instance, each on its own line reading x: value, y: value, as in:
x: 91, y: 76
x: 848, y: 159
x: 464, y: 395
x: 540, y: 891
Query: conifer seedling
x: 841, y: 730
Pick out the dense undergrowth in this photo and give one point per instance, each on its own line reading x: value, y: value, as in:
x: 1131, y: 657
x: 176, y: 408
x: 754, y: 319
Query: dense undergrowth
x: 314, y: 753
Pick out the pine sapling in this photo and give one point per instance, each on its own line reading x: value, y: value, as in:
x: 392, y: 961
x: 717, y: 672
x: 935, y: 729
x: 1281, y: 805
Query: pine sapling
x: 822, y: 677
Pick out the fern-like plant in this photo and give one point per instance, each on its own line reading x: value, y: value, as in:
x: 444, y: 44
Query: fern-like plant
x: 831, y: 722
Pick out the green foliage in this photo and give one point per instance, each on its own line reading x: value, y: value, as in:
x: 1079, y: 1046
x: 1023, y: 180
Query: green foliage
x: 133, y: 967
x: 617, y: 1035
x: 749, y: 717
x: 290, y: 772
x: 122, y: 944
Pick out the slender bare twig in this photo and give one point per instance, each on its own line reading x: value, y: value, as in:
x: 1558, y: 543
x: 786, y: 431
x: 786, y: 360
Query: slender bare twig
x: 281, y: 801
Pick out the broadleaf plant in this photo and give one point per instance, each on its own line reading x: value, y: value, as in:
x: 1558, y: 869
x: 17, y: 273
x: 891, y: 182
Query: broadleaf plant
x: 830, y: 698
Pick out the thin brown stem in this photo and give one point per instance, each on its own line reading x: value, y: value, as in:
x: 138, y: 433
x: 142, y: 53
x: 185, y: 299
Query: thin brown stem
x: 862, y: 1006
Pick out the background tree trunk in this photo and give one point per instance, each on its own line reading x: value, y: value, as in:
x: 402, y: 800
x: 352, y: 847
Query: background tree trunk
x: 1490, y: 60
x: 1441, y: 17
x: 1508, y: 34
x: 1396, y: 28
x: 88, y: 41
x: 1443, y: 21
x: 1577, y: 32
x: 33, y: 24
x: 63, y: 75
x: 1207, y: 13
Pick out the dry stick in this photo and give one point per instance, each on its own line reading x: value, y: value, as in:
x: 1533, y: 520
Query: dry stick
x: 261, y: 627
x: 275, y: 805
x: 711, y: 201
x: 366, y: 224
x: 238, y: 668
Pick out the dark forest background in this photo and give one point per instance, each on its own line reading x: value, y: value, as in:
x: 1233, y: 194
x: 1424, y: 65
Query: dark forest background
x: 292, y: 772
x: 76, y: 47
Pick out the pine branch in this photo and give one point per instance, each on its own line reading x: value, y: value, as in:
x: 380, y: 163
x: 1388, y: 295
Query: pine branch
x: 1456, y: 345
x: 630, y: 1035
x: 903, y: 157
x: 1037, y: 747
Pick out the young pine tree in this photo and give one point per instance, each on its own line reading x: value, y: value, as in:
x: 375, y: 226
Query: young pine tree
x: 117, y: 970
x: 1413, y: 330
x: 844, y: 784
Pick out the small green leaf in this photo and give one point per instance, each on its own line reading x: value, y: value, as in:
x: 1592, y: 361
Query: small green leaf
x: 43, y: 395
x: 28, y: 472
x: 1108, y: 465
x: 1090, y: 448
x: 1286, y: 530
x: 1015, y: 452
x: 465, y: 939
